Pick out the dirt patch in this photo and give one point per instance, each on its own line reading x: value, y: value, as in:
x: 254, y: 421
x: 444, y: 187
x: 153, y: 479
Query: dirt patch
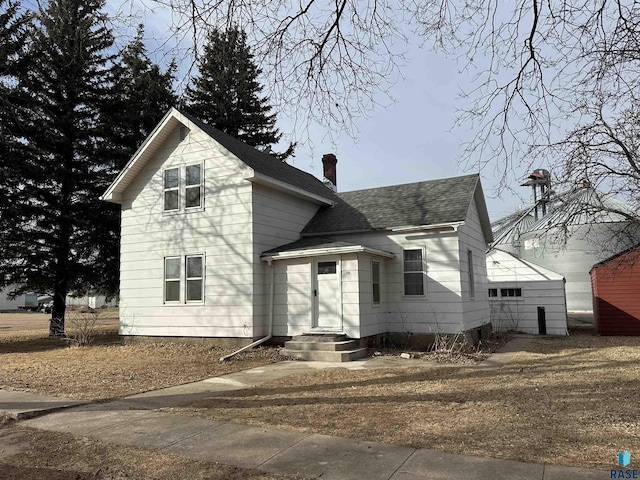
x: 451, y: 349
x: 568, y: 401
x: 33, y: 362
x: 57, y: 456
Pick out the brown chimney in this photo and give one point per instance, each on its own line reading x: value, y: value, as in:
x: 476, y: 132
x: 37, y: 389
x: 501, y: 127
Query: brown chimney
x: 329, y: 162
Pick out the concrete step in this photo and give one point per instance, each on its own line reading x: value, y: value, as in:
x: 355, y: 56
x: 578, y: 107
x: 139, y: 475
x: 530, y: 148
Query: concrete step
x: 324, y: 346
x: 326, y: 356
x: 320, y: 337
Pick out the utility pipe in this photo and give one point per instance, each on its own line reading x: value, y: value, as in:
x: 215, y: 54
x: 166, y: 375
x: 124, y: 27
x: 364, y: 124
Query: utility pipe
x: 270, y: 328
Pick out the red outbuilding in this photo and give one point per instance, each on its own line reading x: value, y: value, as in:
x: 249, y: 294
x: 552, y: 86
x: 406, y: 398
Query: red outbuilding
x: 615, y: 283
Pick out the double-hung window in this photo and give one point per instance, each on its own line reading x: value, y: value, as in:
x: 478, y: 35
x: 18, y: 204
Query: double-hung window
x: 183, y: 188
x: 193, y: 184
x: 172, y: 279
x: 194, y: 277
x: 413, y: 263
x: 184, y: 279
x: 171, y: 189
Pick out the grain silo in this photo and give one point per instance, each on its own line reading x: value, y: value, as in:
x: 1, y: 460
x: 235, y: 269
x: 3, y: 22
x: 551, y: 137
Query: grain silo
x: 573, y: 231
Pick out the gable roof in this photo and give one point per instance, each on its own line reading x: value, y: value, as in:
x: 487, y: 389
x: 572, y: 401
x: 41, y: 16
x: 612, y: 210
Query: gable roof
x: 619, y: 258
x: 265, y: 163
x: 267, y: 169
x: 505, y: 267
x: 432, y: 202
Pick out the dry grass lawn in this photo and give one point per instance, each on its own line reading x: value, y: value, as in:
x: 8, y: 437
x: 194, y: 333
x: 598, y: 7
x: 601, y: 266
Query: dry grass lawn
x: 37, y: 455
x: 569, y: 401
x: 33, y: 362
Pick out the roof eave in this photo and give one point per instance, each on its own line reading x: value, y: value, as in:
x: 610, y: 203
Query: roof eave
x: 399, y: 229
x: 481, y: 206
x: 262, y: 179
x: 114, y: 192
x: 436, y: 226
x: 316, y: 252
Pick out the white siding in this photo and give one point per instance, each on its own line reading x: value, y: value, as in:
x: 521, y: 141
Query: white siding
x: 351, y: 319
x: 373, y: 318
x: 221, y: 231
x: 440, y: 309
x: 278, y: 219
x: 292, y: 306
x: 540, y: 288
x: 476, y: 309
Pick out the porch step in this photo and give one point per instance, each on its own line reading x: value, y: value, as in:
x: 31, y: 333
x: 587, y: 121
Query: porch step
x: 323, y: 348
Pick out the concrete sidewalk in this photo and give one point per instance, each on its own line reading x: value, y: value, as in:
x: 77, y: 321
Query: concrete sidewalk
x: 134, y: 421
x: 286, y: 452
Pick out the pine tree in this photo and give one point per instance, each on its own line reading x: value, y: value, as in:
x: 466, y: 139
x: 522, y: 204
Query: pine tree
x: 59, y: 230
x: 14, y: 30
x: 144, y: 94
x: 226, y: 93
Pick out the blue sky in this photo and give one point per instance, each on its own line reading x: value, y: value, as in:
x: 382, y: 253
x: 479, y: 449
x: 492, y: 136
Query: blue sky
x: 411, y: 139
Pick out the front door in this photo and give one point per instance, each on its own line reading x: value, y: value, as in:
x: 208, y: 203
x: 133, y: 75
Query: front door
x: 328, y: 296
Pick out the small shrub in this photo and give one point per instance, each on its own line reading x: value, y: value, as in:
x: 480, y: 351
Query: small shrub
x: 81, y: 326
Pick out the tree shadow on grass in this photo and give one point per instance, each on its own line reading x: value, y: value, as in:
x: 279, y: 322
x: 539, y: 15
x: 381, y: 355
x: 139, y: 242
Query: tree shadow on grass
x: 34, y: 344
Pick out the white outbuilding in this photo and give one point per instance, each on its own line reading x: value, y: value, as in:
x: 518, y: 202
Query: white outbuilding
x: 525, y: 297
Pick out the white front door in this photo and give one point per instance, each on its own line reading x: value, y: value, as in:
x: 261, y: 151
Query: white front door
x: 328, y: 296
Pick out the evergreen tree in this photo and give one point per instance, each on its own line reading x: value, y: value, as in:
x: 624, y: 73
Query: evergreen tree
x: 226, y: 93
x: 59, y: 230
x: 144, y: 95
x: 14, y: 30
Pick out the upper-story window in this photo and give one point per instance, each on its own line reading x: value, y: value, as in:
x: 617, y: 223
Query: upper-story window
x: 413, y: 272
x: 171, y: 189
x: 183, y: 186
x: 193, y: 190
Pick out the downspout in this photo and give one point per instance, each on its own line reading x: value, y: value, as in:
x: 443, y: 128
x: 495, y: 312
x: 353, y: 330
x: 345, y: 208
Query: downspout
x: 270, y: 327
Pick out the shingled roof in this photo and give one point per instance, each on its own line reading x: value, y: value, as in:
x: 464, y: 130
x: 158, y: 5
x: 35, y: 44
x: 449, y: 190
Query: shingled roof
x: 413, y: 204
x: 265, y: 163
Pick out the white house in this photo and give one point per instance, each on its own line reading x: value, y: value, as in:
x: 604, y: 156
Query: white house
x: 222, y: 240
x: 524, y: 296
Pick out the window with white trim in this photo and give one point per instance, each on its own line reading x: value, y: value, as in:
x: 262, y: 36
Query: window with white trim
x: 375, y: 283
x: 194, y: 278
x: 413, y: 266
x: 472, y: 282
x: 184, y: 279
x: 183, y: 188
x: 171, y: 189
x: 193, y: 186
x: 172, y: 279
